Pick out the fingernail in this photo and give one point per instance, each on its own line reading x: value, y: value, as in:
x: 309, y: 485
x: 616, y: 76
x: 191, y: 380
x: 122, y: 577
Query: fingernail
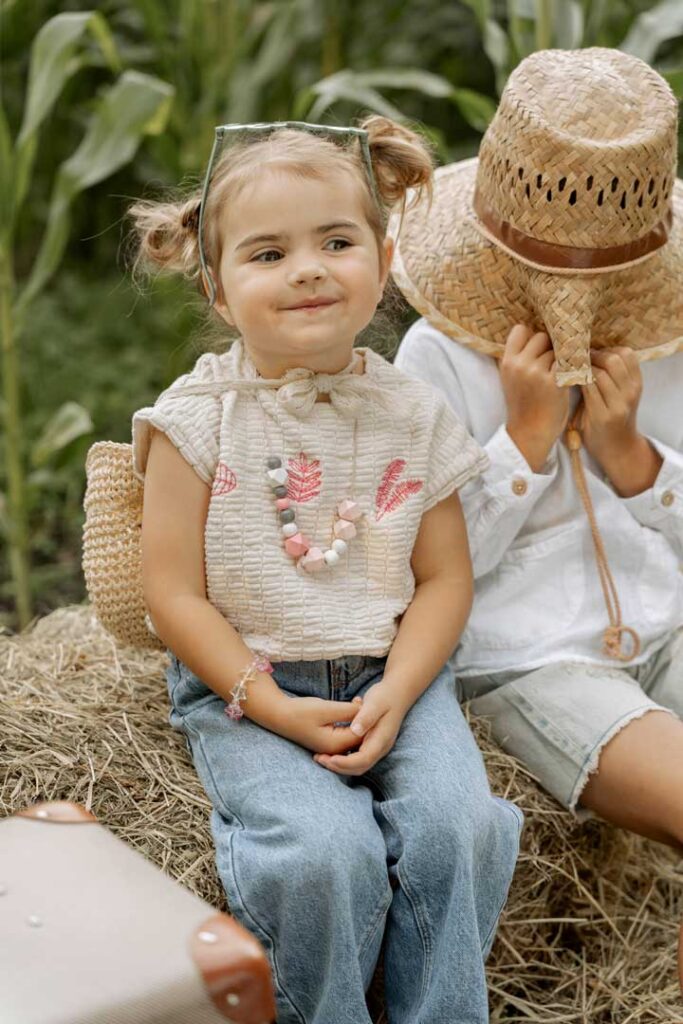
x: 357, y: 728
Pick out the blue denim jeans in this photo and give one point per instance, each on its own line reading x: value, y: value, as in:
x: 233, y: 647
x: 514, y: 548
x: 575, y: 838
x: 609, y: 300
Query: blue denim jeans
x: 322, y: 867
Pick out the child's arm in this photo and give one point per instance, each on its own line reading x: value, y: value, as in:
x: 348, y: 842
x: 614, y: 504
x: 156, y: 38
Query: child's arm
x: 428, y: 633
x: 176, y: 501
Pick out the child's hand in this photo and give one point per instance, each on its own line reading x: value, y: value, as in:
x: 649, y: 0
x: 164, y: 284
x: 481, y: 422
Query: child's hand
x: 537, y: 408
x: 609, y: 422
x: 312, y: 723
x: 378, y: 722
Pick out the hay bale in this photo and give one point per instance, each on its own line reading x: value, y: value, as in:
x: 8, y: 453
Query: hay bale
x: 589, y: 932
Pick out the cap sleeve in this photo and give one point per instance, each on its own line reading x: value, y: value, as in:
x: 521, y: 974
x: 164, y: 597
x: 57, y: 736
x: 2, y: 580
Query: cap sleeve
x: 454, y: 455
x: 191, y: 422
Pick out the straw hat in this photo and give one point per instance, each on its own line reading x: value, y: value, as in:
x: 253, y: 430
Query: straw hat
x: 571, y: 218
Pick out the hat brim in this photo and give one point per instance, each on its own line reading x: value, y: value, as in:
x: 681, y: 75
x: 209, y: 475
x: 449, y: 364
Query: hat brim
x: 474, y: 291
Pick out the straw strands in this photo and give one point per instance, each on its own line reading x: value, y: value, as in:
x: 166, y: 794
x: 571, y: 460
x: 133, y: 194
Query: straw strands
x: 589, y: 932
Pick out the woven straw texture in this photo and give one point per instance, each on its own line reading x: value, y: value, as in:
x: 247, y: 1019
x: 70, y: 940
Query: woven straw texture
x: 581, y: 154
x: 112, y: 554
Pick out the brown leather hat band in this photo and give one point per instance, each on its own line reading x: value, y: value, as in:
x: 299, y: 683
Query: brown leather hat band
x: 568, y: 257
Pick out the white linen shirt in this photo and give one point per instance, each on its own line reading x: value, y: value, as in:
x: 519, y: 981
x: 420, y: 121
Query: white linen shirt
x: 406, y: 453
x: 538, y: 598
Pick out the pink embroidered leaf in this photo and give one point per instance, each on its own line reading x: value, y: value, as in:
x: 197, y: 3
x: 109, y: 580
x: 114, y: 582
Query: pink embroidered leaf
x: 224, y: 480
x: 305, y: 478
x: 399, y: 494
x: 391, y: 475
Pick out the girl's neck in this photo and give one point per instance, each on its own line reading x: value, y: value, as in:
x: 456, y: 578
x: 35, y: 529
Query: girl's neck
x: 275, y: 366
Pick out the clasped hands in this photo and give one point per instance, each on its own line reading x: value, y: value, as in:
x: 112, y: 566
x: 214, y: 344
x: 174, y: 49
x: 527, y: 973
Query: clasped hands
x: 347, y: 737
x: 538, y: 410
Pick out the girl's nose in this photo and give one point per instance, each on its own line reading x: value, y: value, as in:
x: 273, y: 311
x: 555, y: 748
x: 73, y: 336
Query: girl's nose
x: 307, y: 271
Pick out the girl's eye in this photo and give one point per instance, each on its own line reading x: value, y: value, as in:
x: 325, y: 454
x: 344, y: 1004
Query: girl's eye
x: 269, y: 256
x: 337, y: 244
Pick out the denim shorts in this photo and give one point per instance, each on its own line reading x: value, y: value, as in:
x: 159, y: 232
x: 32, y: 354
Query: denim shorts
x: 557, y: 719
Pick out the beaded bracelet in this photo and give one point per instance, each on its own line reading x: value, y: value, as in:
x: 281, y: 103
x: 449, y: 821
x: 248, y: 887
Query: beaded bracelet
x: 239, y: 690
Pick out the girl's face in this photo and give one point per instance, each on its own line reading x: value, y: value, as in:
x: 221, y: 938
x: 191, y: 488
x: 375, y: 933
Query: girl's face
x: 300, y: 270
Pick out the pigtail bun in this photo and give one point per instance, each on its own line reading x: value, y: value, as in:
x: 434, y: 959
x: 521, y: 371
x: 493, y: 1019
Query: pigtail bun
x: 401, y: 159
x: 167, y: 235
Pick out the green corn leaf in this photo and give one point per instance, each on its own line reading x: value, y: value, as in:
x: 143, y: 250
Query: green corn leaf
x: 69, y: 422
x: 477, y: 109
x: 51, y: 61
x: 407, y: 78
x: 54, y: 59
x: 675, y: 79
x: 568, y: 25
x: 135, y: 106
x: 652, y: 28
x: 362, y: 88
x: 349, y: 86
x: 6, y: 176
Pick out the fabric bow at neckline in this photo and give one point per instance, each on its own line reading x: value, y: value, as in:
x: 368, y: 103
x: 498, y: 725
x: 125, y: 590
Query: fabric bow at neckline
x: 297, y: 391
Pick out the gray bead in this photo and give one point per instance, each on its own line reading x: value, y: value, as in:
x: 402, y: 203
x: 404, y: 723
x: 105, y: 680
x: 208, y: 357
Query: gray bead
x: 273, y: 462
x: 287, y: 516
x: 280, y: 492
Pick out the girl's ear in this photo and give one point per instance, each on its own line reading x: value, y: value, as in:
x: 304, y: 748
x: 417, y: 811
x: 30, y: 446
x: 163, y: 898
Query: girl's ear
x: 219, y: 304
x: 387, y: 254
x: 223, y: 310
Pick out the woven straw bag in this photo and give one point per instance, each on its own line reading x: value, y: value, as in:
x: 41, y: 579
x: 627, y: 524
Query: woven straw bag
x: 112, y: 547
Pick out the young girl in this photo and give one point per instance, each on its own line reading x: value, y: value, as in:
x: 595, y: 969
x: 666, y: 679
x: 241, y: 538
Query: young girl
x: 571, y: 224
x: 305, y: 560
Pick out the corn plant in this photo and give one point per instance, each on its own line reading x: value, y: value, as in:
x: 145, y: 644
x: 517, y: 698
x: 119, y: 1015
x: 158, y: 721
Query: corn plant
x: 133, y: 106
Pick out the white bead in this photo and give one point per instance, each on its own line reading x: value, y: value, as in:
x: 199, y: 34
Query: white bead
x: 278, y: 477
x: 34, y: 921
x: 232, y: 999
x: 289, y: 529
x: 331, y: 557
x: 339, y: 545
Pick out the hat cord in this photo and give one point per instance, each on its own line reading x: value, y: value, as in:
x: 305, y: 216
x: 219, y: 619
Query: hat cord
x: 614, y: 633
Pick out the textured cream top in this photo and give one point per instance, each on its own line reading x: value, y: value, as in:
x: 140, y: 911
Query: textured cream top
x: 411, y: 452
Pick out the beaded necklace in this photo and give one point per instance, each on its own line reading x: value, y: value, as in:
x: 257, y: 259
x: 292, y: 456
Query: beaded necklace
x: 309, y: 555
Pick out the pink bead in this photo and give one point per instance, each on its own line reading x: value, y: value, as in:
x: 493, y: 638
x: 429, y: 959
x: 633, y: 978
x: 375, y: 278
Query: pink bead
x: 313, y: 560
x: 344, y: 529
x: 297, y: 545
x: 282, y: 503
x: 349, y: 510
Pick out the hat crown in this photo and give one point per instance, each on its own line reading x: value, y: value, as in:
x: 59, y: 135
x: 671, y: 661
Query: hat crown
x: 582, y: 149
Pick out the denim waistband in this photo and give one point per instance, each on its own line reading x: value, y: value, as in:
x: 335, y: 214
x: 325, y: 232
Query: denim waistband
x: 323, y: 677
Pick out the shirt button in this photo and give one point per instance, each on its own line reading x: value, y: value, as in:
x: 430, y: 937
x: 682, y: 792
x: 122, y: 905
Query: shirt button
x: 519, y: 486
x: 668, y: 498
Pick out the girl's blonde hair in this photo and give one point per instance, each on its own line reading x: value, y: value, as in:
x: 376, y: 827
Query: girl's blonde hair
x: 167, y: 232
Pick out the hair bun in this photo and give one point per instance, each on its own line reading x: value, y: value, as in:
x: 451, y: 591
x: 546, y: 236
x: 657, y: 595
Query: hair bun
x: 168, y: 235
x: 401, y: 159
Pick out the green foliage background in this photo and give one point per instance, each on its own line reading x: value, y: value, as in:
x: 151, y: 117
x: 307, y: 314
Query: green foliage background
x: 90, y: 336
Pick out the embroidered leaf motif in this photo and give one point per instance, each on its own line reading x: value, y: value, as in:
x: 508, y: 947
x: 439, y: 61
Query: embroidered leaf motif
x: 305, y: 478
x: 400, y: 494
x: 391, y: 475
x: 390, y: 497
x: 224, y: 480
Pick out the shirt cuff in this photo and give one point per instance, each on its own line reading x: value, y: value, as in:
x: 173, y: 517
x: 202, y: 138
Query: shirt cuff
x: 509, y: 475
x: 665, y: 498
